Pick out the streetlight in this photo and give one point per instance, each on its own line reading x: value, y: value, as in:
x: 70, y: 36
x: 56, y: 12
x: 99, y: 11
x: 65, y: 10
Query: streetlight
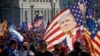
x: 54, y: 2
x: 37, y: 13
x: 22, y: 12
x: 31, y: 12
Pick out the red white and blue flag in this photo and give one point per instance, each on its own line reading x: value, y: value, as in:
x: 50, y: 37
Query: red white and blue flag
x: 38, y: 21
x: 39, y: 24
x: 91, y: 33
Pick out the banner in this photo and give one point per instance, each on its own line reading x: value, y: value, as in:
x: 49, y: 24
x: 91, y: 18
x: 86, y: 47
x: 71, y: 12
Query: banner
x: 75, y: 23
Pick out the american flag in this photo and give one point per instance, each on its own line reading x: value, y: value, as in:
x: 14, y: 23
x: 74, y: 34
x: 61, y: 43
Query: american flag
x: 92, y: 36
x: 54, y: 35
x: 24, y: 25
x: 39, y: 24
x: 29, y: 26
x: 91, y: 29
x: 38, y: 21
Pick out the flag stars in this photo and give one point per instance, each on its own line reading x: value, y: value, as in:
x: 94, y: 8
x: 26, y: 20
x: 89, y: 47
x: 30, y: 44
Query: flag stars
x: 78, y: 15
x: 77, y: 7
x: 79, y: 24
x: 93, y: 32
x: 74, y: 14
x: 73, y: 10
x: 80, y: 20
x: 95, y: 21
x: 81, y: 16
x: 76, y: 11
x: 73, y: 6
x: 90, y: 16
x: 79, y: 11
x: 70, y: 6
x: 77, y: 19
x: 95, y: 29
x: 96, y: 25
x: 82, y: 0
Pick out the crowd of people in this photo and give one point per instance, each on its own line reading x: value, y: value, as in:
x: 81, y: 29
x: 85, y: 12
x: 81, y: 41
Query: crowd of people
x: 33, y: 45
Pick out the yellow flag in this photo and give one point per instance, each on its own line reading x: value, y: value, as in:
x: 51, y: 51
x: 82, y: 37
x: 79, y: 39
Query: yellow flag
x: 4, y: 26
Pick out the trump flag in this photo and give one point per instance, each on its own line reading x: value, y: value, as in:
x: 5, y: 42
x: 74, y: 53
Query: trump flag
x: 75, y: 23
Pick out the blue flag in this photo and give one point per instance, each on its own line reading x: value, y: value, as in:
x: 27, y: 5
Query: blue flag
x: 24, y: 25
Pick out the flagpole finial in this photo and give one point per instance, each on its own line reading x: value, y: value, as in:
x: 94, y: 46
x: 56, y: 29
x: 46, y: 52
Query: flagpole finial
x: 37, y: 13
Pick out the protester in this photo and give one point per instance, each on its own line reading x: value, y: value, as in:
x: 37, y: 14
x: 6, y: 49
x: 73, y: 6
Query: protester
x: 59, y: 50
x: 64, y: 50
x: 33, y: 47
x: 23, y: 51
x: 1, y: 47
x: 10, y: 50
x: 78, y: 50
x: 42, y: 49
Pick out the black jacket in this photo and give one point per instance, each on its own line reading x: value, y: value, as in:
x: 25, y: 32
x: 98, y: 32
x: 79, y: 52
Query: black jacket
x: 75, y: 53
x: 47, y: 53
x: 33, y: 49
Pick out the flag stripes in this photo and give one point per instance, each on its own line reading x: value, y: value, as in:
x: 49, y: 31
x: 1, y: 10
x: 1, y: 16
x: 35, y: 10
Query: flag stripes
x: 59, y: 40
x: 54, y: 34
x: 89, y: 43
x: 51, y: 31
x: 57, y: 37
x: 95, y: 43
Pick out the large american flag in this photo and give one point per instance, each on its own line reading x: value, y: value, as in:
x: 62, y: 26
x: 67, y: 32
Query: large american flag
x: 54, y: 34
x: 91, y: 32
